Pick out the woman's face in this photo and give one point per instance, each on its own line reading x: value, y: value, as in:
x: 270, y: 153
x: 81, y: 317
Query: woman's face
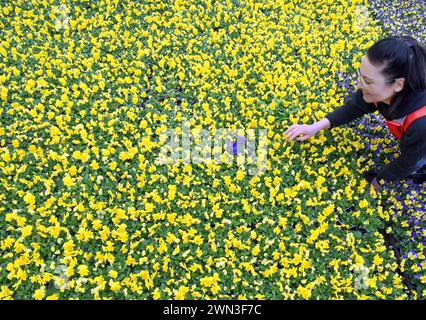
x: 374, y: 84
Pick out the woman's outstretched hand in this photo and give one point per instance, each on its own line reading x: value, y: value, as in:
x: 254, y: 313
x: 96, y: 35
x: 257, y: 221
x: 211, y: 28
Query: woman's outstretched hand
x: 300, y: 132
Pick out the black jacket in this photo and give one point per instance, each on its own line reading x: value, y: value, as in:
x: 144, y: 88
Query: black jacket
x: 413, y: 142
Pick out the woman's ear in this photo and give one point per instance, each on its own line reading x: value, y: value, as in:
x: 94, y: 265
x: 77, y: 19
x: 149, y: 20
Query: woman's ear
x: 399, y: 84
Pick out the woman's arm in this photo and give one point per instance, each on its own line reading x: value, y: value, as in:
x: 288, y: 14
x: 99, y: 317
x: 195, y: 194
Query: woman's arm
x: 354, y: 108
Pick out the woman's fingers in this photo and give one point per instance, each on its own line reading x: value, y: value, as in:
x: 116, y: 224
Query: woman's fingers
x: 290, y: 129
x: 294, y: 134
x: 304, y: 137
x: 295, y: 131
x: 289, y: 133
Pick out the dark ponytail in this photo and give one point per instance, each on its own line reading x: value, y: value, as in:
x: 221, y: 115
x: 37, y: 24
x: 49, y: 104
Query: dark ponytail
x: 402, y: 57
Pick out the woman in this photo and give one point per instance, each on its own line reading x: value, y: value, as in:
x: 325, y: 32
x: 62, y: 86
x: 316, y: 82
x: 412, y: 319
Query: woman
x: 392, y: 80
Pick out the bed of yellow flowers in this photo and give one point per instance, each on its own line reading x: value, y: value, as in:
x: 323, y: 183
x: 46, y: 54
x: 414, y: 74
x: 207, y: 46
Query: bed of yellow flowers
x: 86, y: 213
